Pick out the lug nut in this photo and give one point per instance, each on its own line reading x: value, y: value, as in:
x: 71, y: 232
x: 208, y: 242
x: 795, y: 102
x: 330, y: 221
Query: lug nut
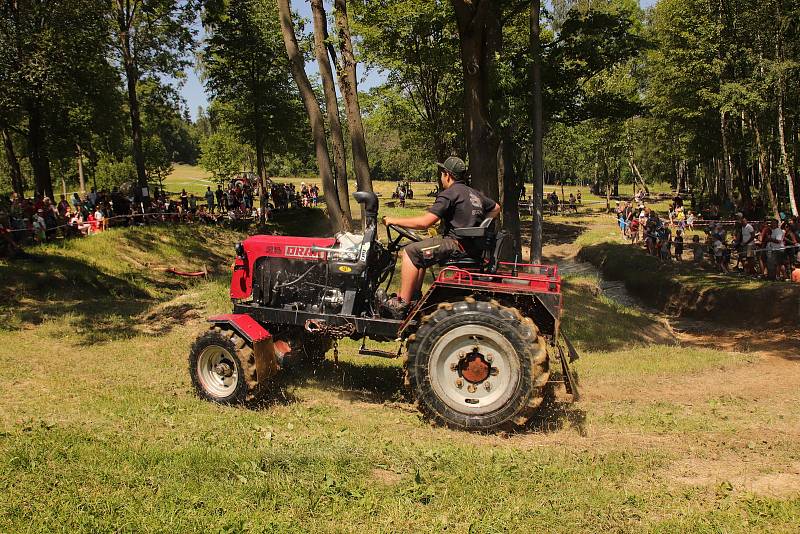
x: 494, y: 371
x: 462, y: 355
x: 471, y: 388
x: 488, y: 386
x: 459, y: 383
x: 489, y: 358
x: 454, y: 367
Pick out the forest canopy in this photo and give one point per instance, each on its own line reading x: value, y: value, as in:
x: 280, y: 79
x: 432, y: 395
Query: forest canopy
x: 704, y: 96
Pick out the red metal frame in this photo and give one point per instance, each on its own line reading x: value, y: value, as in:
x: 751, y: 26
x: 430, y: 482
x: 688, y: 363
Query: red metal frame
x: 530, y: 278
x: 250, y: 329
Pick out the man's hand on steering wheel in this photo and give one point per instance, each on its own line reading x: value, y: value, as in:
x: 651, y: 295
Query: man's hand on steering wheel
x: 400, y: 230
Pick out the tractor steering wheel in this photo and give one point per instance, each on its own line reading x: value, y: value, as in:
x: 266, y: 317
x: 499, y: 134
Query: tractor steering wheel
x: 403, y: 231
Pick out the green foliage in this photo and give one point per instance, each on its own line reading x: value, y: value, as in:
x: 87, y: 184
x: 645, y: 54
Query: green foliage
x: 398, y: 150
x: 222, y: 154
x: 110, y: 172
x: 246, y: 71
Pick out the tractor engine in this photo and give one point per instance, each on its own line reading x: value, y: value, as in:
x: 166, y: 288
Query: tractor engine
x: 315, y: 275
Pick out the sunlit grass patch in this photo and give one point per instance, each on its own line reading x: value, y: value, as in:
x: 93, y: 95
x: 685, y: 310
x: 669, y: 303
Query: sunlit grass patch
x: 639, y: 360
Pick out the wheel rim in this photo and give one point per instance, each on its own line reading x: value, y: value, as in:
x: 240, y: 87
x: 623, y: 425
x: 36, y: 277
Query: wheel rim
x: 217, y: 371
x: 474, y: 369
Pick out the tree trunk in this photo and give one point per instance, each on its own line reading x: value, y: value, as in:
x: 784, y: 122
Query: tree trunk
x: 297, y: 65
x: 81, y: 180
x: 636, y: 174
x: 43, y: 182
x: 131, y: 76
x: 786, y: 160
x: 511, y: 190
x: 474, y: 20
x: 125, y: 15
x: 726, y: 155
x: 332, y: 108
x: 538, y: 131
x: 261, y: 172
x: 349, y: 87
x: 766, y: 179
x: 17, y: 184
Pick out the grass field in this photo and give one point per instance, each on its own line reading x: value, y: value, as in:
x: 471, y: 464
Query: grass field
x: 101, y: 432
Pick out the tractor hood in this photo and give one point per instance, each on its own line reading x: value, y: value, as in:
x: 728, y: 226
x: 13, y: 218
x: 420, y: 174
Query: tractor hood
x: 271, y: 246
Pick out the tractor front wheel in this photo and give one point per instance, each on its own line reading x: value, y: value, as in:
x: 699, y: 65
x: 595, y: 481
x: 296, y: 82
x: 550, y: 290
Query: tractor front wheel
x: 223, y: 367
x: 477, y: 366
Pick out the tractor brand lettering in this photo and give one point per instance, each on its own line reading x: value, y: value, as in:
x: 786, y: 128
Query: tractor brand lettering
x: 302, y: 252
x: 345, y: 268
x: 272, y: 249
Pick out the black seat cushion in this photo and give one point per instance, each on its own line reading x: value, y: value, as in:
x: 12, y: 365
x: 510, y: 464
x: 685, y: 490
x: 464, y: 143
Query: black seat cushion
x: 465, y: 262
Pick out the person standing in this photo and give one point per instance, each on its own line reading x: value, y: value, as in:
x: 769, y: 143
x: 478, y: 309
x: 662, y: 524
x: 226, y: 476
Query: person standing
x: 210, y: 199
x: 774, y: 249
x: 220, y: 194
x: 747, y: 247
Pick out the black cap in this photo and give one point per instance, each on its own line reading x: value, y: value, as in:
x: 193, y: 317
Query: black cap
x: 454, y: 166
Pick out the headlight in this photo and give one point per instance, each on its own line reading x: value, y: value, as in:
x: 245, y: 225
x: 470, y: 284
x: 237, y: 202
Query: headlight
x: 239, y: 248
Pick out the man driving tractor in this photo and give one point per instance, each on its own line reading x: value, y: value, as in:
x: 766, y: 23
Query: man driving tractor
x: 456, y: 206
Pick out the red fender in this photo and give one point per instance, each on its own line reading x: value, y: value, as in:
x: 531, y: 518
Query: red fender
x: 250, y: 329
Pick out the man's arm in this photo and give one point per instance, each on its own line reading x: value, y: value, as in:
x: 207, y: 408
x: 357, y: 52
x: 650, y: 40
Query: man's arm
x: 421, y: 222
x: 495, y: 211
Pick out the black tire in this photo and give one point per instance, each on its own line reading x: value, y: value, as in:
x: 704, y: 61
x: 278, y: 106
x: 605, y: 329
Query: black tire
x: 434, y: 367
x: 218, y: 346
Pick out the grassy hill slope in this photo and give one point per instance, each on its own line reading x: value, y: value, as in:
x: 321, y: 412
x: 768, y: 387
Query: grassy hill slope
x: 100, y: 430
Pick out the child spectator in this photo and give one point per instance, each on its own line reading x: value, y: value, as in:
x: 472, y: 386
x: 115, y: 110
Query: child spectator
x: 697, y: 249
x: 39, y: 226
x: 796, y: 275
x: 679, y: 245
x: 719, y: 252
x: 100, y: 220
x: 666, y: 243
x: 690, y: 221
x: 634, y: 231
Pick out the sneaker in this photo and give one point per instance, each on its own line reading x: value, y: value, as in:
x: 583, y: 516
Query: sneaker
x: 396, y: 308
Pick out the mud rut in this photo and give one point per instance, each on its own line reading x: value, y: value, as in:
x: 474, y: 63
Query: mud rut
x: 768, y: 387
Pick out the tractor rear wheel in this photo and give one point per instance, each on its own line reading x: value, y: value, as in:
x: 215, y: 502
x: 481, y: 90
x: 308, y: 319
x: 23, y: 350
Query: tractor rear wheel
x: 223, y: 367
x: 479, y: 366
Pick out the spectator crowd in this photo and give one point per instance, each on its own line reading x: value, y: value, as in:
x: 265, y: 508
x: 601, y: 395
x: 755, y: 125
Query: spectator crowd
x: 768, y: 249
x: 25, y: 221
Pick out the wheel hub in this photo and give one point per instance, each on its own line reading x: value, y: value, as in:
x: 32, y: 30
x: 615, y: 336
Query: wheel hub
x: 224, y: 370
x: 217, y: 372
x: 474, y: 367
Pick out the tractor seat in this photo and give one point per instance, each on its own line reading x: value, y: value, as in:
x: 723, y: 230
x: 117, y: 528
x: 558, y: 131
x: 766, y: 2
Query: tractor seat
x: 487, y: 243
x: 464, y: 262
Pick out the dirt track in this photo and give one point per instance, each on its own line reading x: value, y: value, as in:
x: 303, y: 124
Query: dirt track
x: 758, y: 458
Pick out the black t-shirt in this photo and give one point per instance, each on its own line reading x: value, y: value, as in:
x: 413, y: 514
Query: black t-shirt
x: 460, y: 206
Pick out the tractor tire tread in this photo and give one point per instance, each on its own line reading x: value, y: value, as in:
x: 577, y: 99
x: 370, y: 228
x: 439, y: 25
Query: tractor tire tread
x: 537, y: 369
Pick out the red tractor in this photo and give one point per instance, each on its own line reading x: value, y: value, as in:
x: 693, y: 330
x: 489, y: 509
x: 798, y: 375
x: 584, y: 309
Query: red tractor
x: 480, y: 343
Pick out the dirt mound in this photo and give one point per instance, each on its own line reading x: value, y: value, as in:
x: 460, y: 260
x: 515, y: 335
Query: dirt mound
x: 683, y: 292
x: 164, y: 317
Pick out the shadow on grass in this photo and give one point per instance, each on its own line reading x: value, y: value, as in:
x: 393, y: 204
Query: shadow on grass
x: 96, y: 303
x: 554, y: 416
x: 375, y: 384
x: 355, y: 381
x: 554, y: 233
x: 301, y: 222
